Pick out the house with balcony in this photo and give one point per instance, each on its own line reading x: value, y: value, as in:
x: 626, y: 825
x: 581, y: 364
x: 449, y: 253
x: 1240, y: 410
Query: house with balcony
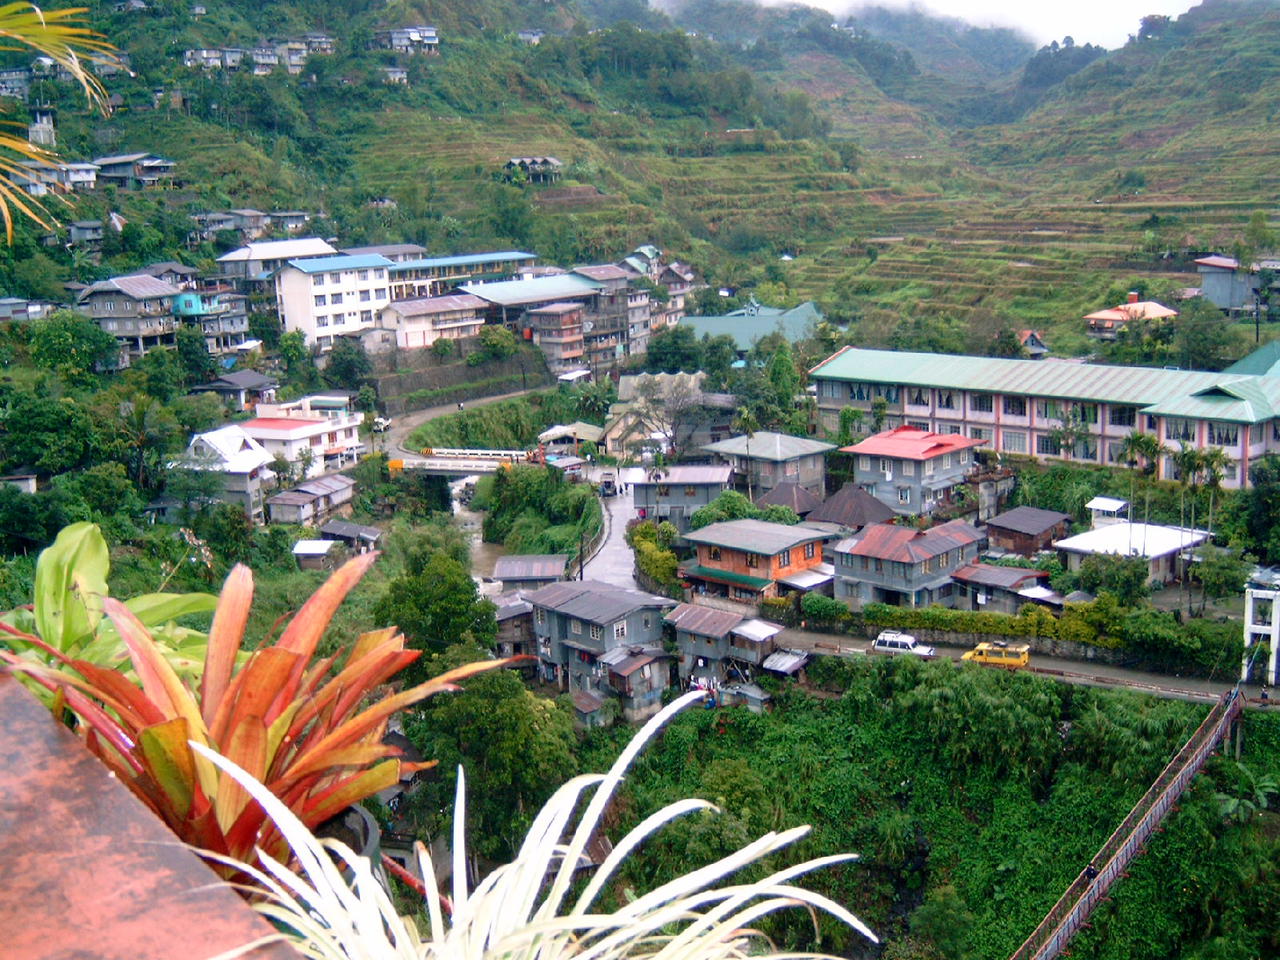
x: 222, y: 318
x: 239, y: 459
x: 910, y: 469
x: 750, y: 560
x: 419, y: 39
x: 421, y: 322
x: 134, y: 171
x: 317, y: 433
x: 324, y: 297
x: 556, y: 329
x: 997, y: 589
x: 1023, y: 407
x: 314, y: 502
x: 596, y: 641
x: 258, y: 261
x: 1027, y: 530
x: 719, y: 647
x: 674, y: 493
x: 904, y: 566
x: 136, y: 310
x: 764, y: 459
x: 241, y: 389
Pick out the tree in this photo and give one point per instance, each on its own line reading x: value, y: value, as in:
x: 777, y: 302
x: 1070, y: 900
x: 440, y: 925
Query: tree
x: 284, y: 469
x: 437, y: 608
x: 144, y: 429
x: 1260, y: 509
x: 718, y: 355
x: 1222, y: 573
x: 1123, y: 577
x: 1203, y: 338
x: 945, y: 920
x: 159, y: 372
x: 193, y: 352
x: 673, y: 350
x: 46, y: 434
x: 348, y: 365
x: 497, y: 342
x: 70, y: 344
x: 297, y: 357
x: 197, y: 412
x: 745, y: 423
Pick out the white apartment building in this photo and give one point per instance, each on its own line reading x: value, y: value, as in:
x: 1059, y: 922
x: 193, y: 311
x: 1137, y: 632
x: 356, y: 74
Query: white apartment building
x: 330, y: 296
x: 324, y: 426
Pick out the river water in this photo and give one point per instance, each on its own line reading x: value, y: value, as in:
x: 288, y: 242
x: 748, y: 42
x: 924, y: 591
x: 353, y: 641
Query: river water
x: 483, y: 555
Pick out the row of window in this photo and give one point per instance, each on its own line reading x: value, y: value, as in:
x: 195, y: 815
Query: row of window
x: 338, y: 319
x: 940, y: 563
x: 318, y: 279
x: 907, y: 468
x: 753, y: 559
x: 334, y: 299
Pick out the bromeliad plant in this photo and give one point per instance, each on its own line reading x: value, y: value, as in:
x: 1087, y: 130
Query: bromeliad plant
x: 534, y: 908
x: 300, y: 725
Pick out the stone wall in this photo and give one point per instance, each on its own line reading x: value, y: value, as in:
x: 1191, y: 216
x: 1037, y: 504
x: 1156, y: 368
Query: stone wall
x: 408, y: 380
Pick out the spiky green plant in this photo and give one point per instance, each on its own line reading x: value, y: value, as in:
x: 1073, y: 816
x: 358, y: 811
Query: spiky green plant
x: 526, y: 909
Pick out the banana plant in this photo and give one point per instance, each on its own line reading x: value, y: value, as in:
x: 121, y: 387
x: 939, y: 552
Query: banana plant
x: 68, y: 603
x: 304, y: 726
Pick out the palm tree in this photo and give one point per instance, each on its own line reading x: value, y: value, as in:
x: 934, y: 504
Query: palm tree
x: 60, y: 36
x: 1213, y: 463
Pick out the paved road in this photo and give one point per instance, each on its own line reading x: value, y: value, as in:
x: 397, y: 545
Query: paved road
x: 404, y: 425
x: 1073, y: 671
x: 613, y: 562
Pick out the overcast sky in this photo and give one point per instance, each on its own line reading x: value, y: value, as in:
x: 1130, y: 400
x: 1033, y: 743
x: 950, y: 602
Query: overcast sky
x: 1108, y: 22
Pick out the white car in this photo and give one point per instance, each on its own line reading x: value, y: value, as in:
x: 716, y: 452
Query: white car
x: 381, y: 424
x: 891, y: 641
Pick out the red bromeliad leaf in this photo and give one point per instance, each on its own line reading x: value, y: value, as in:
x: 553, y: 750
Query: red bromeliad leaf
x: 247, y: 747
x: 357, y: 756
x: 169, y: 762
x: 365, y: 784
x: 226, y: 636
x: 159, y: 681
x: 252, y: 690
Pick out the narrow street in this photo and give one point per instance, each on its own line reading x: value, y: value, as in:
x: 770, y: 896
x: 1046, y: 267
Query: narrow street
x: 613, y: 562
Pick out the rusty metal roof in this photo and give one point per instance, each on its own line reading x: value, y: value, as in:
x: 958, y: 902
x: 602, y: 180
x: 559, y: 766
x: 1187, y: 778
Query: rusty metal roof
x: 91, y: 872
x: 704, y: 621
x: 887, y: 541
x: 992, y: 575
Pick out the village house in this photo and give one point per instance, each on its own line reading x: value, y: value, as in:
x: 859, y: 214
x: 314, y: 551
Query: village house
x: 764, y: 459
x: 85, y: 233
x: 535, y: 170
x: 434, y: 276
x: 1166, y: 550
x: 1020, y: 406
x: 356, y: 537
x: 598, y: 640
x: 134, y: 171
x: 904, y: 566
x: 1108, y: 324
x: 996, y: 589
x: 850, y: 509
x: 569, y: 437
x: 530, y: 571
x: 515, y: 626
x: 290, y: 221
x: 910, y: 469
x: 674, y: 493
x: 410, y: 40
x: 239, y: 459
x: 720, y: 646
x: 556, y: 329
x: 531, y: 37
x: 136, y: 310
x: 749, y: 324
x: 421, y: 322
x: 312, y: 502
x: 1224, y: 284
x: 318, y: 554
x: 1033, y: 344
x: 316, y: 433
x: 241, y: 389
x: 395, y: 75
x: 750, y: 560
x: 791, y: 495
x: 258, y: 261
x: 323, y: 297
x: 1027, y: 530
x: 395, y: 252
x: 222, y: 318
x: 252, y: 223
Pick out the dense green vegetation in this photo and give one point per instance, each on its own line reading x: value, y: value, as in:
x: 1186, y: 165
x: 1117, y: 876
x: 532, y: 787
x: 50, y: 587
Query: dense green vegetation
x: 514, y: 424
x: 534, y: 509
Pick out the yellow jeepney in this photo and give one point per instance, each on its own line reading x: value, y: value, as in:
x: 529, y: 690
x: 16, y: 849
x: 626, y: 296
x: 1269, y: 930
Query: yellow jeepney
x: 1011, y: 656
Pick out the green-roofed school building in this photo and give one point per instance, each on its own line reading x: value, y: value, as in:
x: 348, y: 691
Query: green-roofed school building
x: 1018, y: 406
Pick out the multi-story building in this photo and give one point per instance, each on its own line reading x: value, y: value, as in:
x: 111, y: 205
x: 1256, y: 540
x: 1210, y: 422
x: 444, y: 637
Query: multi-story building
x: 136, y: 310
x: 330, y: 296
x: 746, y: 560
x: 911, y: 469
x: 418, y: 277
x: 420, y: 323
x: 720, y: 646
x: 1029, y: 407
x: 239, y: 459
x: 556, y: 329
x: 597, y: 640
x: 397, y: 252
x: 259, y: 261
x: 904, y: 566
x: 222, y: 318
x: 134, y: 171
x: 416, y: 39
x: 764, y: 459
x: 674, y: 493
x: 316, y: 433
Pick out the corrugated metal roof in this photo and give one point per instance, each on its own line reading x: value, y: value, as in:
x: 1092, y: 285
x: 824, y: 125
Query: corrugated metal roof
x: 1059, y: 379
x: 279, y: 250
x: 604, y: 271
x: 785, y: 661
x: 362, y: 261
x: 135, y: 287
x: 757, y: 630
x: 757, y: 536
x: 688, y: 473
x: 704, y: 621
x: 1028, y: 520
x: 991, y: 575
x: 320, y: 486
x: 585, y: 702
x: 911, y: 443
x: 593, y: 601
x: 351, y: 531
x: 852, y: 507
x: 746, y: 328
x: 632, y: 664
x: 887, y: 541
x: 766, y: 445
x: 724, y: 576
x: 540, y: 566
x: 513, y: 293
x: 808, y: 579
x: 464, y: 260
x: 428, y: 306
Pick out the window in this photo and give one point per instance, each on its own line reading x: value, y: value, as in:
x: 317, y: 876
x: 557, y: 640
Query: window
x: 1231, y: 471
x: 1085, y: 412
x: 926, y: 566
x: 1015, y: 406
x: 918, y: 424
x: 366, y: 316
x: 597, y: 631
x: 379, y: 273
x: 1086, y: 449
x: 335, y: 278
x: 809, y: 550
x: 1255, y: 433
x: 1115, y: 451
x: 362, y: 274
x: 646, y: 621
x: 323, y: 342
x: 335, y: 299
x: 364, y: 296
x: 946, y: 400
x: 689, y: 491
x: 1015, y: 441
x: 319, y: 299
x: 908, y: 468
x: 575, y: 626
x: 886, y: 465
x: 540, y: 616
x: 860, y: 391
x: 1177, y: 428
x: 713, y: 553
x: 620, y: 630
x: 322, y: 321
x: 1047, y: 445
x: 318, y: 280
x: 946, y: 461
x: 1224, y: 434
x: 904, y: 495
x: 953, y: 428
x: 753, y: 560
x: 784, y: 558
x: 879, y: 565
x: 664, y: 489
x: 864, y: 462
x: 1049, y: 410
x: 1122, y: 416
x: 917, y: 398
x: 791, y: 468
x: 381, y: 293
x: 981, y: 403
x: 866, y: 563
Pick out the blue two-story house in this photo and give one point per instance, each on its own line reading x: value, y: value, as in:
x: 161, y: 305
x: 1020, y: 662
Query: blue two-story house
x: 674, y: 493
x: 597, y: 641
x: 903, y: 566
x: 720, y: 646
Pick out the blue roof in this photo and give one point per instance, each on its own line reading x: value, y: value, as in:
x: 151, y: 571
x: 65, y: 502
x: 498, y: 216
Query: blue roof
x: 749, y: 324
x: 465, y: 260
x: 323, y: 264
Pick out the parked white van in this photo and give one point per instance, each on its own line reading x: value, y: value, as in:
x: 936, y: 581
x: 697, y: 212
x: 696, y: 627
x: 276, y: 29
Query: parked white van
x: 891, y: 641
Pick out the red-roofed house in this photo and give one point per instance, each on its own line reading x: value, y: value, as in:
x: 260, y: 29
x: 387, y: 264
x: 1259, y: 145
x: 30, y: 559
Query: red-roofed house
x: 319, y: 432
x: 911, y: 469
x: 904, y: 566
